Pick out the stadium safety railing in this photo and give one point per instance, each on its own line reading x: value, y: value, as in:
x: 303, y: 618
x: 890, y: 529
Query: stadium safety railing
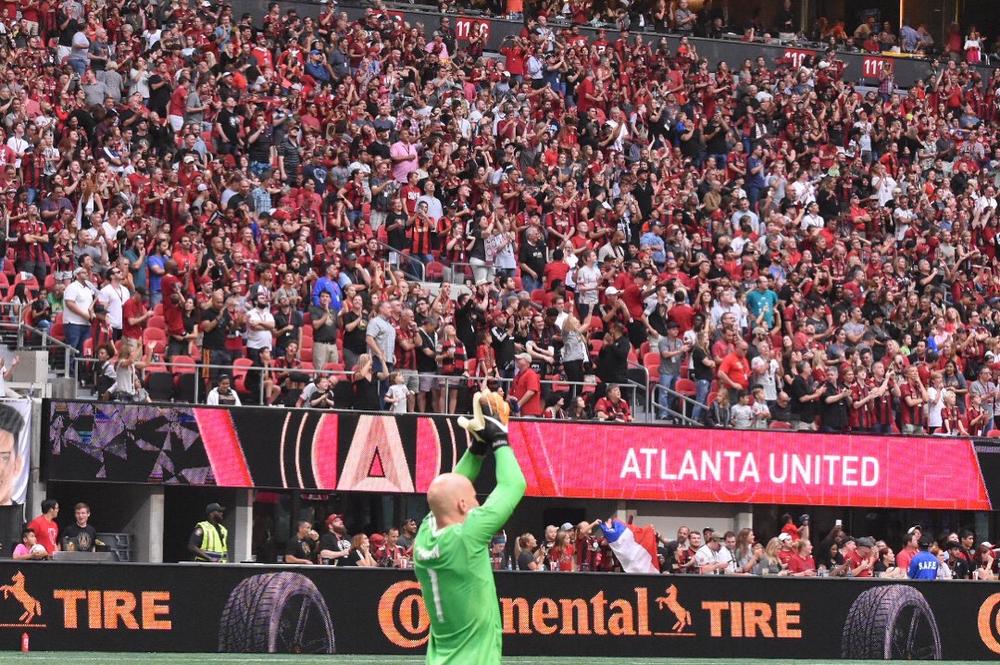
x: 194, y: 390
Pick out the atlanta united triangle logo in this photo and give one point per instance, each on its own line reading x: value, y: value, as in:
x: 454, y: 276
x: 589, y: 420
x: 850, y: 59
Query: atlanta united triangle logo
x: 376, y: 461
x: 18, y: 592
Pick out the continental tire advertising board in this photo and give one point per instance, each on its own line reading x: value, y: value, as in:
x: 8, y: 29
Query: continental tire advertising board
x: 207, y: 608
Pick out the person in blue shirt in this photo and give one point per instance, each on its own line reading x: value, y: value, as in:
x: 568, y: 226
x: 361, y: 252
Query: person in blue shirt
x: 756, y: 183
x: 924, y: 564
x: 157, y: 265
x: 329, y: 284
x: 763, y: 300
x: 653, y: 240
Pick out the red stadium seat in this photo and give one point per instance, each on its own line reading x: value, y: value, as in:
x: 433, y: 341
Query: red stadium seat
x: 156, y: 336
x: 240, y: 368
x: 434, y: 271
x: 686, y: 387
x: 778, y: 424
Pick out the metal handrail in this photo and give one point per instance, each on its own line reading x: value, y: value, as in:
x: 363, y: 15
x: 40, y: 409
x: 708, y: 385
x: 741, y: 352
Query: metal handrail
x: 409, y: 259
x: 681, y: 415
x: 47, y: 341
x: 446, y: 379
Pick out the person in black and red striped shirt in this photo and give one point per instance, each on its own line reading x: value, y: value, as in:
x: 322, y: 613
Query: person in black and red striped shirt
x: 883, y: 414
x: 912, y: 403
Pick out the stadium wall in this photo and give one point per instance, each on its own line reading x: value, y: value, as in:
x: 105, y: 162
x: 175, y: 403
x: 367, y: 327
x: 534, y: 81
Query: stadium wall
x: 859, y: 67
x: 234, y: 608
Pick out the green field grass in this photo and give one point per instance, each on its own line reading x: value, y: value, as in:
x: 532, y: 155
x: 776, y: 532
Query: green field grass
x: 62, y: 658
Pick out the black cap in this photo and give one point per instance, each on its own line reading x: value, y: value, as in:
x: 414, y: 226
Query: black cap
x: 214, y: 507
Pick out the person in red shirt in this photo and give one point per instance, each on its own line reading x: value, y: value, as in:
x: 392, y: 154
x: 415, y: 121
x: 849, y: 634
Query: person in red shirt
x: 801, y: 563
x: 527, y: 387
x: 45, y: 527
x: 177, y: 106
x: 682, y: 313
x: 910, y: 549
x: 734, y: 371
x: 786, y: 552
x: 612, y: 407
x: 135, y: 314
x: 173, y: 309
x: 860, y: 556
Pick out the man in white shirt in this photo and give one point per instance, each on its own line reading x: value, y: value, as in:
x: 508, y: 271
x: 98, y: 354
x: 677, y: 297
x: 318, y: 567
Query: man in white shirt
x: 812, y: 221
x: 712, y: 558
x: 78, y: 309
x: 743, y: 210
x: 434, y: 208
x: 883, y: 183
x: 260, y: 324
x: 113, y: 296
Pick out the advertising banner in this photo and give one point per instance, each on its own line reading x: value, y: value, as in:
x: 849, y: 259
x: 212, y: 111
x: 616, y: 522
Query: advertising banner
x: 349, y: 451
x: 247, y: 608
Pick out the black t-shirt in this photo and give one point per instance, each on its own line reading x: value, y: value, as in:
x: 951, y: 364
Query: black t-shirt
x: 835, y: 414
x: 701, y: 371
x: 379, y: 150
x: 343, y: 394
x: 334, y: 543
x: 533, y: 255
x: 354, y: 340
x: 302, y: 548
x: 82, y: 539
x: 365, y: 395
x: 503, y: 346
x: 716, y: 144
x: 214, y: 339
x: 326, y: 333
x: 799, y: 389
x: 159, y: 97
x: 282, y: 319
x: 427, y: 364
x: 643, y: 193
x: 230, y: 124
x: 524, y: 560
x: 260, y: 149
x: 397, y: 236
x: 351, y: 559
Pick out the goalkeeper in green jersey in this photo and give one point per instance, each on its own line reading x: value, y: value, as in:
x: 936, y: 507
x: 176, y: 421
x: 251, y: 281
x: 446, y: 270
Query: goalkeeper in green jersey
x: 451, y: 551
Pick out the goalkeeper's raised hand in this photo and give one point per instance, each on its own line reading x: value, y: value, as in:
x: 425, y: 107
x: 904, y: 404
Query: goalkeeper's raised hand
x: 488, y: 425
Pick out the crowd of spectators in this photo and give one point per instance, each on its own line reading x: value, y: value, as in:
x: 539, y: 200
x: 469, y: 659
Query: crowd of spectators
x: 711, y: 19
x: 583, y: 548
x: 182, y: 184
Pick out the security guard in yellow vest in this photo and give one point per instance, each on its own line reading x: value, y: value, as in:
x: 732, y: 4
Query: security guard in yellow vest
x: 208, y: 541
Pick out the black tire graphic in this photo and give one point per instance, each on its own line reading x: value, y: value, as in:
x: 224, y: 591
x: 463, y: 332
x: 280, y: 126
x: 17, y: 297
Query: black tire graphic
x: 276, y: 613
x: 891, y: 622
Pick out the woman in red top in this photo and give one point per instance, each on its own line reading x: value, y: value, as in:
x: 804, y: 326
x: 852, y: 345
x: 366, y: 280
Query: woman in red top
x: 486, y: 361
x: 951, y: 417
x: 562, y: 555
x: 452, y: 365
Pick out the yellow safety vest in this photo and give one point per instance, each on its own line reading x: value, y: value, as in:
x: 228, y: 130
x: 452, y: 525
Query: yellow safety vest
x: 211, y: 543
